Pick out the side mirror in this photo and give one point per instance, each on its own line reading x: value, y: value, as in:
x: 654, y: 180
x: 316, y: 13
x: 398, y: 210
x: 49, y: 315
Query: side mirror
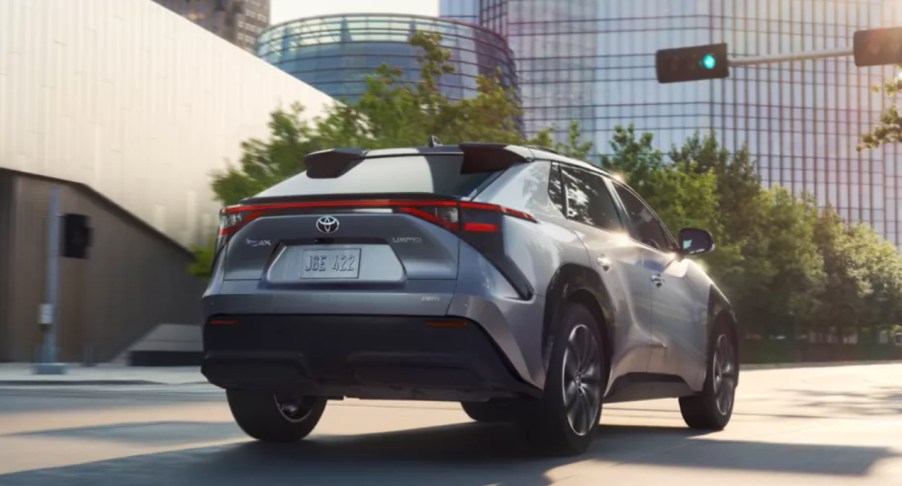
x: 695, y: 241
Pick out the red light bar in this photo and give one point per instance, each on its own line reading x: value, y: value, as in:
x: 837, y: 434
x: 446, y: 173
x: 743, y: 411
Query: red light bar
x: 223, y: 322
x: 501, y: 209
x: 238, y: 216
x: 481, y: 227
x: 374, y: 203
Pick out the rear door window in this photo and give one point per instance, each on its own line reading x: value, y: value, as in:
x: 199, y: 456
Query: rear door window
x: 432, y: 174
x: 588, y: 199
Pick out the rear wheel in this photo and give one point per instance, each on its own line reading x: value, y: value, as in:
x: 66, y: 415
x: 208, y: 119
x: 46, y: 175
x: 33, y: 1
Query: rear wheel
x: 273, y: 417
x: 566, y: 417
x: 713, y: 407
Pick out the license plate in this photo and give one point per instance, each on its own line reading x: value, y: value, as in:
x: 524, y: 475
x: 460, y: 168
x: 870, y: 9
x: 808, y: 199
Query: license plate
x: 344, y: 263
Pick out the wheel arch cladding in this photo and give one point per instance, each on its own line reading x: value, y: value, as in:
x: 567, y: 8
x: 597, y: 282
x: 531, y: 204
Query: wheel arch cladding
x: 578, y: 284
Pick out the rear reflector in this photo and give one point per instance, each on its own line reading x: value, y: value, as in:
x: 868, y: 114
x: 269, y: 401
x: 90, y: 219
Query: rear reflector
x: 447, y: 324
x: 223, y: 322
x: 481, y: 227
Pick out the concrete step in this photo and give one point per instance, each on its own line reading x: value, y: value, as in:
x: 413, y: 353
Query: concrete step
x: 167, y: 345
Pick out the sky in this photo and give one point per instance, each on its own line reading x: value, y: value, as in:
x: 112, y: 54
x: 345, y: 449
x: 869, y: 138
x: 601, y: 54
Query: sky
x: 283, y: 10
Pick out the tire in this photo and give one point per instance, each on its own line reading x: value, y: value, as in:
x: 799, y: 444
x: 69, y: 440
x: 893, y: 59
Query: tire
x: 712, y: 408
x: 495, y: 411
x: 565, y: 419
x: 270, y: 418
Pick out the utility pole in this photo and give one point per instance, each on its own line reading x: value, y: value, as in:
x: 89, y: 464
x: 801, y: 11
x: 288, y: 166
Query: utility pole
x: 49, y: 364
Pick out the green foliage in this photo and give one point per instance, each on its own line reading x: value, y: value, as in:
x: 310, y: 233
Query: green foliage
x: 203, y: 260
x: 634, y: 159
x: 267, y: 162
x: 889, y: 129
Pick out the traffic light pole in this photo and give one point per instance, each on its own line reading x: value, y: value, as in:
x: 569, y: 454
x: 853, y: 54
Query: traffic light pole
x: 792, y: 56
x: 49, y: 310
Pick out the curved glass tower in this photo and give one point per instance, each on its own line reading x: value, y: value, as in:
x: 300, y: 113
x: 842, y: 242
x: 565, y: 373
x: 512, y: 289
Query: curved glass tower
x: 335, y: 53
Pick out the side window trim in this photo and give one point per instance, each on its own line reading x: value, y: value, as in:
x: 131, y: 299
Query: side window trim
x: 557, y: 172
x: 632, y: 229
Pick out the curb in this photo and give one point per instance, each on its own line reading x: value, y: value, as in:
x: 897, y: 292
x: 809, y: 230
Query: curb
x: 26, y: 382
x: 813, y: 364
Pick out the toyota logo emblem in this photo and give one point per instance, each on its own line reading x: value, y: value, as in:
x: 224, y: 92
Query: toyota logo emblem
x: 327, y: 224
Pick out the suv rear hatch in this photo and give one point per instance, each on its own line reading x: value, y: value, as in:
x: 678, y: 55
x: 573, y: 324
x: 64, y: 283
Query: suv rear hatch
x: 357, y: 224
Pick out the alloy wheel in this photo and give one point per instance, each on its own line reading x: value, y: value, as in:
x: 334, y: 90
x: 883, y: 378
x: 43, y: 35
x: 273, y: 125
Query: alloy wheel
x: 724, y: 374
x: 294, y: 409
x: 582, y: 380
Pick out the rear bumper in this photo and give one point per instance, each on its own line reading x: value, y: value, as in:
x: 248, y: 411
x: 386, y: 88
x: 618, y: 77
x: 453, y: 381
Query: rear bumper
x: 389, y: 357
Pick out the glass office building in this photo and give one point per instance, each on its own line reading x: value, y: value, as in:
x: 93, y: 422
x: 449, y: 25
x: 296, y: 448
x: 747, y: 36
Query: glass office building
x: 237, y: 21
x: 593, y: 61
x: 336, y: 53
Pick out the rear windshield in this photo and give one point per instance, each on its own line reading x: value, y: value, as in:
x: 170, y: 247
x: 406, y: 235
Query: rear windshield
x: 434, y: 174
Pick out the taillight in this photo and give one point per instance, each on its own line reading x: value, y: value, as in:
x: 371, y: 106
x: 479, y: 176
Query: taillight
x: 232, y: 219
x: 447, y: 217
x: 444, y: 213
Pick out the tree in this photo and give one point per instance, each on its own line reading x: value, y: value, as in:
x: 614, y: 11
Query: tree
x: 845, y: 283
x: 889, y: 128
x: 782, y: 273
x: 634, y: 159
x: 267, y: 162
x: 574, y: 146
x: 882, y: 270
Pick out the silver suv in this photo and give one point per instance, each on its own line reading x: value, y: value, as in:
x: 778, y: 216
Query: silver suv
x: 529, y: 286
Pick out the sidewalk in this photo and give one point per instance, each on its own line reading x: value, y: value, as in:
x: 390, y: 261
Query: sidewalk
x: 102, y: 374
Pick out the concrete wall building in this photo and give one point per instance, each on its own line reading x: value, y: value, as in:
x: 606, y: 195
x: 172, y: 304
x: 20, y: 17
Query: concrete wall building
x: 237, y: 21
x: 593, y: 61
x: 129, y: 108
x: 335, y: 53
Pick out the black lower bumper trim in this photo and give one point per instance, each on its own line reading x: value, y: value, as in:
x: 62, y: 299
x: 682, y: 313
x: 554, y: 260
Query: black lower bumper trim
x: 358, y: 356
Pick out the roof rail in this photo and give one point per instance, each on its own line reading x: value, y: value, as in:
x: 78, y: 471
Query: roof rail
x: 547, y: 149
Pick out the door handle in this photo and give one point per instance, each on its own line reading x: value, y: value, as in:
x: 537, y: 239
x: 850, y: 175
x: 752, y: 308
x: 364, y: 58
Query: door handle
x: 604, y: 262
x: 657, y: 280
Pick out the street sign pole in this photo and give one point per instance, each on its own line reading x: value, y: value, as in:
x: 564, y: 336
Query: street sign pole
x: 50, y: 309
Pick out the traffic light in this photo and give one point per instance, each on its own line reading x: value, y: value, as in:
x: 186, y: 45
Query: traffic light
x: 877, y: 47
x: 692, y: 63
x: 76, y: 236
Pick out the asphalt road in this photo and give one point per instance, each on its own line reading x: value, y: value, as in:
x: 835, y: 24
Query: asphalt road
x: 831, y: 425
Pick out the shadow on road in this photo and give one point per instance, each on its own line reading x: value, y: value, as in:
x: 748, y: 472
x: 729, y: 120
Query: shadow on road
x: 148, y: 433
x: 879, y: 400
x: 461, y: 454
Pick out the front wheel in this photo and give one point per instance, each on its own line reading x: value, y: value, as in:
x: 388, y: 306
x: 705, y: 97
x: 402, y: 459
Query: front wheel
x: 713, y: 407
x: 272, y: 417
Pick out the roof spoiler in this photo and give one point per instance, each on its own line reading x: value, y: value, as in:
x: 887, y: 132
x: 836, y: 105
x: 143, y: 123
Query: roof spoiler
x: 477, y: 157
x: 329, y: 164
x: 491, y: 157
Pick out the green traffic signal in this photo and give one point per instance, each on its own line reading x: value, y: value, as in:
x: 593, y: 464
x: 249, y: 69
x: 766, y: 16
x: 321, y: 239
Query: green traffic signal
x: 692, y: 63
